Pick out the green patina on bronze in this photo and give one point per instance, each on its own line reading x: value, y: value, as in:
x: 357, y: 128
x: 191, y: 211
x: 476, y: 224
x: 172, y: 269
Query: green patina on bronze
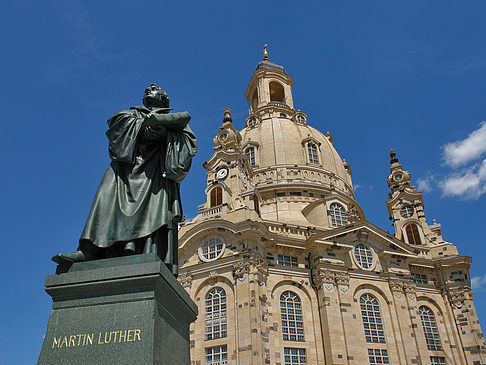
x: 137, y: 207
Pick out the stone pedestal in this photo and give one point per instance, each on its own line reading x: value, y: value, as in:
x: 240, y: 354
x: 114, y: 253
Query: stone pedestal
x: 127, y: 310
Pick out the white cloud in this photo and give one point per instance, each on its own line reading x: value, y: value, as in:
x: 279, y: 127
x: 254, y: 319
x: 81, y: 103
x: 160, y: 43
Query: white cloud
x: 425, y: 184
x: 470, y: 183
x: 356, y: 187
x: 478, y: 282
x: 466, y: 150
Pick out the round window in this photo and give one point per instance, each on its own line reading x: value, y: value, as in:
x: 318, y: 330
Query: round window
x: 407, y: 211
x: 211, y: 249
x: 252, y: 122
x: 364, y: 256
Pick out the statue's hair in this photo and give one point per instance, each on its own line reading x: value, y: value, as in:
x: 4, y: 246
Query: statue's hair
x: 163, y: 96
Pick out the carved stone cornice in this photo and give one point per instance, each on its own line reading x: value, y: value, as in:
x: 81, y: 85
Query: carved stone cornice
x: 185, y: 279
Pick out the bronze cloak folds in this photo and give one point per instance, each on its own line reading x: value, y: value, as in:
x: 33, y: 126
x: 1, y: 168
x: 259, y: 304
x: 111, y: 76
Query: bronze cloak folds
x: 139, y: 192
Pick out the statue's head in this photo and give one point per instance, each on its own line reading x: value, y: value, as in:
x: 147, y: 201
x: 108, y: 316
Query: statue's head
x: 155, y: 97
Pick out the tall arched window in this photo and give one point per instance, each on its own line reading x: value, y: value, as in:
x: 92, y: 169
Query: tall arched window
x: 413, y: 234
x: 254, y: 99
x: 256, y: 204
x: 216, y: 197
x: 277, y: 92
x: 250, y: 153
x: 338, y: 215
x: 216, y: 314
x: 312, y: 153
x: 291, y: 313
x: 372, y: 323
x: 430, y: 328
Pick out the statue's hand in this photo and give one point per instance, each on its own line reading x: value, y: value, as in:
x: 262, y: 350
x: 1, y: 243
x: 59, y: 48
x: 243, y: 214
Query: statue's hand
x: 154, y: 130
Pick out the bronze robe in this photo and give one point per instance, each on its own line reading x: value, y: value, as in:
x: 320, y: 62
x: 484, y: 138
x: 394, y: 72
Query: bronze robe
x: 139, y: 192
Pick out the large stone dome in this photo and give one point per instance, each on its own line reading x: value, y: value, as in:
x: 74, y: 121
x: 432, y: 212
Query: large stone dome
x: 283, y: 141
x: 286, y: 147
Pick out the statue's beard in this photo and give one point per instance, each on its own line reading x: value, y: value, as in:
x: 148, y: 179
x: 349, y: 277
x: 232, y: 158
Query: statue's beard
x: 151, y: 102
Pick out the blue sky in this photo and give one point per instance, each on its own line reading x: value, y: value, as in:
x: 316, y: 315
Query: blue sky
x: 376, y: 74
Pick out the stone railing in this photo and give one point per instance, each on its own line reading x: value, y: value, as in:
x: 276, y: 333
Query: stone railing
x: 297, y: 174
x: 283, y: 229
x: 214, y: 211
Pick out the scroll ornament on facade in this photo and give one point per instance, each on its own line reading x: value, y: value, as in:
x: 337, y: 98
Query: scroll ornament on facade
x: 323, y: 279
x: 396, y: 287
x: 353, y: 215
x: 240, y: 270
x: 342, y: 281
x: 410, y: 289
x: 243, y: 267
x: 213, y: 273
x: 457, y: 297
x: 185, y: 279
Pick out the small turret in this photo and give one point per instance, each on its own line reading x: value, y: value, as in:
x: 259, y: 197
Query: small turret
x: 398, y: 180
x: 228, y: 138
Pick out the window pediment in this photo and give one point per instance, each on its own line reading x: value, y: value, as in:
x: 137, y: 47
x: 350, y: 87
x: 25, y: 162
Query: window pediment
x: 311, y: 139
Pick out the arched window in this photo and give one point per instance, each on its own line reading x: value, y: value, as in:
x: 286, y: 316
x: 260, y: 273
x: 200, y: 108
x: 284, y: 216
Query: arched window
x: 250, y: 153
x: 312, y: 153
x: 413, y: 234
x: 216, y: 314
x: 291, y: 313
x: 372, y: 323
x: 430, y: 328
x: 277, y: 92
x: 216, y: 197
x: 338, y: 215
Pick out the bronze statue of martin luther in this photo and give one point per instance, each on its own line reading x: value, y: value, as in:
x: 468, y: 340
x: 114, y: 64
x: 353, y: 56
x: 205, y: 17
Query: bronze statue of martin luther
x: 137, y: 207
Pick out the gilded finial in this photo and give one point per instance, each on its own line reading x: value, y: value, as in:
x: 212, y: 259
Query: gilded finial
x: 393, y: 156
x: 265, y: 53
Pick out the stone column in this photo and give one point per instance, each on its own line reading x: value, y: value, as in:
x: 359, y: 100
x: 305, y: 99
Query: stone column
x: 467, y: 323
x: 335, y: 347
x: 250, y: 274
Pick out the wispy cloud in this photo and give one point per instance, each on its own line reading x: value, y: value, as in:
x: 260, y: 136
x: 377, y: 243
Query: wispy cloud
x: 458, y: 153
x: 356, y: 187
x: 425, y: 184
x: 478, y: 282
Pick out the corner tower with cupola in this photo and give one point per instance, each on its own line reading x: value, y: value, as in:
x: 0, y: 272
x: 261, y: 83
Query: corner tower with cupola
x: 406, y: 208
x: 286, y: 270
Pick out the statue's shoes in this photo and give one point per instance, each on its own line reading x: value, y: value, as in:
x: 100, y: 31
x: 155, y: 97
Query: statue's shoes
x: 62, y: 258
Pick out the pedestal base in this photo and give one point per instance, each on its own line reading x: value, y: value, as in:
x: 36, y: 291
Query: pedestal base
x: 127, y: 310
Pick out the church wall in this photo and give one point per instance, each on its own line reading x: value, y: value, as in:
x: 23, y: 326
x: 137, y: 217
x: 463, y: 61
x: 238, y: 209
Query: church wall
x: 298, y: 250
x: 333, y: 325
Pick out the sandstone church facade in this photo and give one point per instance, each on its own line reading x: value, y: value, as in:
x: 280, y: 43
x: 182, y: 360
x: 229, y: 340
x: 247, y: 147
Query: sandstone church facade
x: 286, y: 270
